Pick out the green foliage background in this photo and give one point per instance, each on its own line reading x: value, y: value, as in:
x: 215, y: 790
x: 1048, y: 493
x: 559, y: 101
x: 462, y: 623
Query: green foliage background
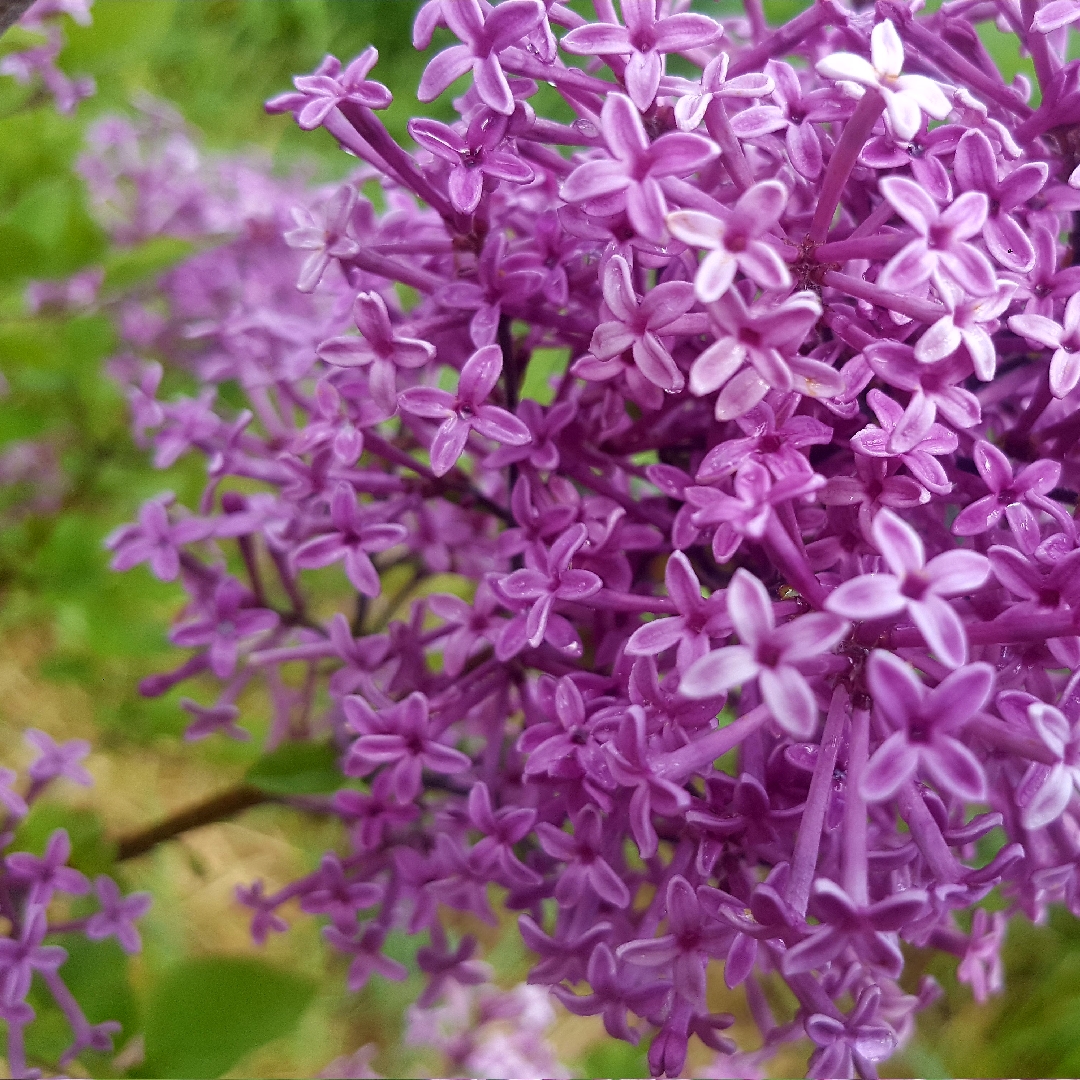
x: 75, y: 639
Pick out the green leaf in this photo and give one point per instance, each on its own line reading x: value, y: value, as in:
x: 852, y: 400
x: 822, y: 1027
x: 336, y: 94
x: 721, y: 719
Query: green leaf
x: 297, y: 769
x: 206, y: 1014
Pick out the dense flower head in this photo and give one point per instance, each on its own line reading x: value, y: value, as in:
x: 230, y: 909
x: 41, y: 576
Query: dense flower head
x: 737, y: 417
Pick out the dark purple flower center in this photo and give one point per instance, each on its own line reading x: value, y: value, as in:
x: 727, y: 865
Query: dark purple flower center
x: 915, y: 586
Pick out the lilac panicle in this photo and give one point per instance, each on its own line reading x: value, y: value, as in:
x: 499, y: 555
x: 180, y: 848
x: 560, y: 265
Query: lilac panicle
x: 737, y: 414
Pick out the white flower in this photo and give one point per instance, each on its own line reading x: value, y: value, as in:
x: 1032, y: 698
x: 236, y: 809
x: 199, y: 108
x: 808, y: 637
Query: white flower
x: 907, y: 97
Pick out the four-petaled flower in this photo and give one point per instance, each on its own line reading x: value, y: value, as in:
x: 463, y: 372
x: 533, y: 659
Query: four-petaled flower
x: 548, y: 577
x: 402, y: 736
x: 318, y: 94
x: 380, y: 346
x: 486, y: 31
x: 326, y: 232
x: 915, y: 585
x: 734, y: 242
x: 636, y: 167
x: 638, y: 324
x: 352, y: 538
x: 768, y: 653
x: 1056, y: 783
x: 925, y: 721
x: 472, y: 156
x: 907, y: 97
x: 1063, y: 338
x: 465, y: 411
x: 117, y: 915
x: 844, y: 924
x: 586, y: 857
x: 49, y: 873
x: 940, y: 248
x: 1008, y: 492
x: 692, y: 630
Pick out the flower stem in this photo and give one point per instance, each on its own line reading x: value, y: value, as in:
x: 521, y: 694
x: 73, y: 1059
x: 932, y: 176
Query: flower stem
x: 856, y: 132
x: 808, y: 842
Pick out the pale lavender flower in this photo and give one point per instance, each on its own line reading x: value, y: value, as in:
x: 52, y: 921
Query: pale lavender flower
x: 916, y: 586
x: 735, y: 242
x: 769, y: 654
x: 907, y: 97
x: 1063, y: 338
x: 636, y: 167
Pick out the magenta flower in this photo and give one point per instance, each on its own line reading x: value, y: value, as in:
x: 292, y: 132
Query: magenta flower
x: 229, y: 619
x: 969, y: 321
x: 914, y: 446
x: 854, y: 1045
x: 1006, y: 490
x: 692, y: 630
x: 926, y: 722
x: 353, y: 537
x: 584, y: 856
x: 548, y: 577
x: 845, y: 924
x: 21, y: 957
x: 735, y: 242
x: 1063, y: 338
x: 644, y: 41
x: 465, y: 411
x: 318, y: 94
x: 155, y: 539
x: 685, y: 948
x: 402, y: 736
x: 769, y: 654
x: 976, y: 165
x: 118, y: 915
x: 220, y: 718
x: 941, y: 245
x: 379, y: 346
x: 332, y: 893
x: 1054, y: 785
x: 493, y: 856
x: 636, y: 167
x: 638, y: 324
x: 714, y: 84
x: 49, y: 873
x: 486, y: 32
x: 768, y: 338
x: 916, y: 586
x: 57, y: 760
x: 473, y: 157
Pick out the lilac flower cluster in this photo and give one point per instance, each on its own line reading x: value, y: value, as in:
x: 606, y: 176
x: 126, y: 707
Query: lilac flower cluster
x: 718, y: 438
x: 29, y: 885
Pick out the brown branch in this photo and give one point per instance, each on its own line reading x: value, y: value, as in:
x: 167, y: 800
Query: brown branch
x: 11, y: 11
x: 216, y: 808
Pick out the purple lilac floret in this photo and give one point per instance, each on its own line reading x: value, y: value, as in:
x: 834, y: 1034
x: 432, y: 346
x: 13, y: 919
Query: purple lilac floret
x: 738, y: 419
x: 30, y: 885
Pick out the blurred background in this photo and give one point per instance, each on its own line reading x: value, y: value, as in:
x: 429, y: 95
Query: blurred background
x: 75, y: 639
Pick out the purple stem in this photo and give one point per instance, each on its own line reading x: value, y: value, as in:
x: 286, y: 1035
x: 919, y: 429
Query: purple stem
x: 807, y: 844
x: 853, y: 859
x: 925, y: 832
x: 678, y: 765
x: 923, y: 310
x: 791, y: 560
x: 856, y: 132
